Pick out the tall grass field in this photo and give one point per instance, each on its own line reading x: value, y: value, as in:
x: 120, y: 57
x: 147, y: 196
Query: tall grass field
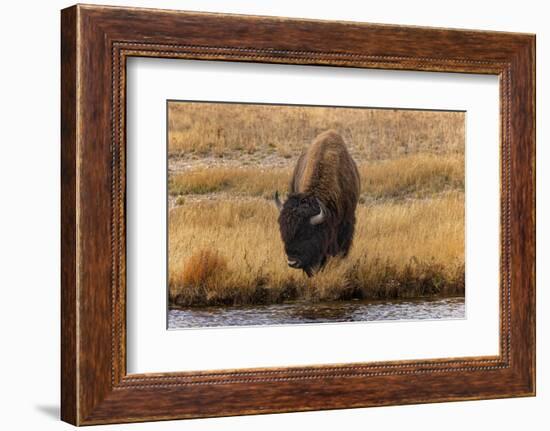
x: 227, y: 160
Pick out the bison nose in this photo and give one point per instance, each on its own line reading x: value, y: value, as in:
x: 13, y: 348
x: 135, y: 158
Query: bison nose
x: 293, y: 263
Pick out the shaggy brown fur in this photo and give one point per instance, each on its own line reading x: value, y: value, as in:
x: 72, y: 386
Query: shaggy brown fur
x: 325, y: 177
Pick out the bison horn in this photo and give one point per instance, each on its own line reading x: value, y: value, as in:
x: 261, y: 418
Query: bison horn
x: 319, y: 218
x: 278, y: 201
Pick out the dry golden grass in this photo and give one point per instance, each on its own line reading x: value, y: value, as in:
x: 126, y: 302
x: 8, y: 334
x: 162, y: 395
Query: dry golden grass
x: 413, y: 176
x: 401, y: 249
x: 240, y: 181
x: 410, y: 176
x: 372, y: 134
x: 202, y: 271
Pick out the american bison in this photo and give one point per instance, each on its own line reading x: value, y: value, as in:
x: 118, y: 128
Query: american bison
x: 317, y: 220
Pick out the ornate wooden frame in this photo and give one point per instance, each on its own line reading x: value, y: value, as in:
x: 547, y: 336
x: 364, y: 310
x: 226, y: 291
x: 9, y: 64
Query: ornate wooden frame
x: 95, y: 43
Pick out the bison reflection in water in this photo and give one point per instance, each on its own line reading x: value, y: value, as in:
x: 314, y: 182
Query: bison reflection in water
x: 317, y: 220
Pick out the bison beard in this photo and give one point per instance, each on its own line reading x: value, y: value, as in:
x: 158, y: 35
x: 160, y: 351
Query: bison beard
x: 317, y: 220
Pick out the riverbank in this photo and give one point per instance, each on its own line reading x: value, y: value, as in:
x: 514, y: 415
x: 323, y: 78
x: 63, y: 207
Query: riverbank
x: 229, y: 252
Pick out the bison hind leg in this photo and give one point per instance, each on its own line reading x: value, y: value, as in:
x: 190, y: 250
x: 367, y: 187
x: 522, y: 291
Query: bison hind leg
x: 345, y: 237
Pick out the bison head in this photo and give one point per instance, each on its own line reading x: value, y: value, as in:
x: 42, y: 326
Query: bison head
x: 302, y: 222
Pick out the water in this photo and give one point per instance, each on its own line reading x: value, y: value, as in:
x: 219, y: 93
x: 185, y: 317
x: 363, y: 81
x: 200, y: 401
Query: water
x: 324, y: 312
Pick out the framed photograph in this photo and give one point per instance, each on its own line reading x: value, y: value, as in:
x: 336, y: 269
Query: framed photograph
x: 264, y: 215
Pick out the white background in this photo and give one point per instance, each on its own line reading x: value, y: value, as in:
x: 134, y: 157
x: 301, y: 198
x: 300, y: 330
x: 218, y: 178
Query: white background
x: 29, y: 215
x: 151, y: 348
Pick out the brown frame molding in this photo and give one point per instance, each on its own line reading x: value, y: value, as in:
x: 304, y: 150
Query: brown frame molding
x: 95, y: 43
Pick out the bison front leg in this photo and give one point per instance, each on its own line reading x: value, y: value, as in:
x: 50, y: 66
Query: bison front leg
x: 345, y: 237
x: 309, y: 272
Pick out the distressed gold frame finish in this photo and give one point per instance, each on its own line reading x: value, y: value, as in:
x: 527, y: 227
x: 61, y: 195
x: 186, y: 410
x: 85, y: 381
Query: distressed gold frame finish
x: 96, y: 42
